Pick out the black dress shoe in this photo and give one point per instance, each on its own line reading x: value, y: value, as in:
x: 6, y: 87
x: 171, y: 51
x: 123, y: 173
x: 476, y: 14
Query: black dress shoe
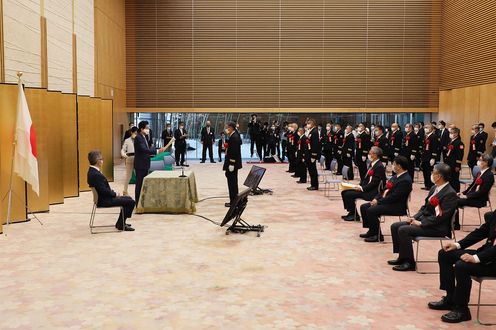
x: 367, y: 234
x: 213, y: 161
x: 299, y: 181
x: 346, y: 216
x: 312, y: 188
x: 339, y: 173
x: 457, y: 316
x: 349, y: 217
x: 405, y: 267
x: 373, y: 239
x: 294, y: 176
x: 185, y: 165
x: 227, y: 205
x: 202, y: 162
x: 456, y: 226
x: 126, y: 228
x: 395, y: 262
x: 442, y: 305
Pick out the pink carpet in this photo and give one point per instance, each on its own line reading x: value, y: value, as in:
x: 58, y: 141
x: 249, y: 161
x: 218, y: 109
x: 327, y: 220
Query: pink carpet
x: 309, y: 270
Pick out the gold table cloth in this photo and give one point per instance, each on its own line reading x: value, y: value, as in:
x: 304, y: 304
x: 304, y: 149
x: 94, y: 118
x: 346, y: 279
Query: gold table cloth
x: 166, y: 192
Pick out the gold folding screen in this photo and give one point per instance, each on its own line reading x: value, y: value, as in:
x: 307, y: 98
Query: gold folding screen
x: 69, y: 145
x: 94, y: 133
x: 8, y: 104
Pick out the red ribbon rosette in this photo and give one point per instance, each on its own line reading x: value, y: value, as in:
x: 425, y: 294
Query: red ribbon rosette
x: 376, y: 143
x: 359, y: 140
x: 226, y: 145
x: 407, y: 138
x: 389, y: 185
x: 478, y: 181
x: 427, y: 141
x: 451, y: 147
x: 472, y: 141
x: 308, y: 141
x: 370, y: 173
x: 434, y: 201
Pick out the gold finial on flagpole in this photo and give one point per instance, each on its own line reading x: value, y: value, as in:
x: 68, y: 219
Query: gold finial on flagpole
x: 19, y: 75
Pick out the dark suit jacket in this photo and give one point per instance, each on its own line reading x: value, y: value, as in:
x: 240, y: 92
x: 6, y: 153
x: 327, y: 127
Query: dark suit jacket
x: 207, y: 138
x: 444, y: 139
x: 448, y: 201
x: 142, y: 153
x: 487, y: 252
x: 409, y: 146
x: 477, y: 146
x: 454, y: 153
x: 397, y: 197
x: 348, y: 145
x: 338, y: 140
x: 370, y: 185
x: 481, y: 193
x: 233, y: 153
x: 180, y: 143
x: 166, y: 136
x: 383, y: 143
x: 362, y: 146
x: 431, y: 148
x: 315, y: 148
x: 98, y: 181
x: 395, y: 141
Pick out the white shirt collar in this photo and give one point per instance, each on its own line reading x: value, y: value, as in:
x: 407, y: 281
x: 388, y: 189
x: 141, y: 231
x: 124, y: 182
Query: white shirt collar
x: 482, y: 172
x: 442, y: 187
x: 398, y: 175
x: 374, y: 162
x: 96, y: 168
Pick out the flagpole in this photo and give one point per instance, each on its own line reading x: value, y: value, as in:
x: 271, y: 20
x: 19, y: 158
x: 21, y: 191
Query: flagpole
x: 14, y: 143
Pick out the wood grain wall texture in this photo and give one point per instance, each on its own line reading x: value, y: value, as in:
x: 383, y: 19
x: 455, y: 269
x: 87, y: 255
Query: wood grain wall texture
x: 468, y: 43
x: 282, y: 54
x: 59, y: 44
x: 84, y: 29
x: 22, y: 49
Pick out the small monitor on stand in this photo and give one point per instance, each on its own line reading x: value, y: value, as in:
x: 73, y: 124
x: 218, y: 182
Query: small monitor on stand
x: 253, y: 180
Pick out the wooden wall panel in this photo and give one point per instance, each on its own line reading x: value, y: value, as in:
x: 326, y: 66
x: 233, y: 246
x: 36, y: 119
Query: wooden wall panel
x: 94, y: 133
x: 53, y: 106
x: 68, y: 119
x: 282, y: 54
x: 2, y: 59
x: 467, y: 106
x: 468, y: 43
x: 8, y: 104
x: 35, y: 98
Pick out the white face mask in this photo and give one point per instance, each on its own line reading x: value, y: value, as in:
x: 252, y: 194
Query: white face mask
x: 181, y: 127
x: 452, y: 136
x: 473, y: 132
x: 416, y: 129
x: 432, y: 178
x: 227, y: 131
x: 479, y: 164
x: 336, y: 128
x: 328, y: 128
x: 147, y: 131
x: 360, y: 129
x: 370, y: 158
x: 440, y: 127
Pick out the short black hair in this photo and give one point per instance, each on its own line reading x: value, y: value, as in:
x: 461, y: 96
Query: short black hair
x: 380, y: 127
x: 142, y: 124
x: 488, y: 159
x: 231, y: 124
x: 134, y: 129
x: 181, y: 123
x: 444, y: 170
x: 130, y: 123
x: 482, y: 124
x: 94, y: 156
x: 401, y: 161
x: 442, y: 122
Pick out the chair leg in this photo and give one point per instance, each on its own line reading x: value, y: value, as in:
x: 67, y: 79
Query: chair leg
x: 478, y: 303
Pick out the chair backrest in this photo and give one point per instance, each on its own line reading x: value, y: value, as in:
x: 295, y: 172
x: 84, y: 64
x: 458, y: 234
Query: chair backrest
x: 453, y: 220
x: 346, y: 173
x: 95, y: 195
x: 476, y: 170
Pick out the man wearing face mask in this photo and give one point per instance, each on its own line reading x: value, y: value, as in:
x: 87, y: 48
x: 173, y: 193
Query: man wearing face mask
x: 167, y: 136
x: 348, y: 150
x: 477, y: 193
x: 291, y: 138
x: 180, y: 136
x: 429, y: 156
x: 477, y: 147
x: 369, y: 186
x: 338, y: 147
x: 444, y: 138
x: 106, y: 196
x: 207, y: 141
x: 314, y: 150
x: 142, y: 153
x: 382, y: 142
x: 454, y: 157
x: 395, y: 140
x: 409, y: 148
x: 392, y: 200
x: 254, y: 130
x: 232, y: 162
x: 327, y: 145
x: 301, y: 149
x: 432, y: 220
x: 419, y: 131
x: 362, y: 147
x: 457, y: 264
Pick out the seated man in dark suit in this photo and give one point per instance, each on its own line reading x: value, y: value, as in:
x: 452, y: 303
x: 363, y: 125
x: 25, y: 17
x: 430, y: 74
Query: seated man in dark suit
x: 478, y: 192
x: 106, y: 196
x: 369, y: 186
x: 391, y: 201
x: 457, y: 265
x: 433, y: 219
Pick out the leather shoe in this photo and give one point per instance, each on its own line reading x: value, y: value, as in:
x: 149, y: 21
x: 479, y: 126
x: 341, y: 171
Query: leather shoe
x: 395, y: 262
x: 202, y: 162
x: 294, y: 176
x: 312, y: 188
x: 213, y: 161
x: 301, y: 181
x: 185, y: 165
x: 441, y: 305
x: 227, y: 205
x: 456, y: 226
x: 373, y: 239
x: 367, y: 234
x: 457, y: 316
x: 345, y: 216
x: 126, y: 228
x: 405, y: 267
x: 351, y: 217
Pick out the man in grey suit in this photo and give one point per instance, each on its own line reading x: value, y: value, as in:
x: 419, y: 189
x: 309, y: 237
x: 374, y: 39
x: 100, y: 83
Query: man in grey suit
x: 433, y: 219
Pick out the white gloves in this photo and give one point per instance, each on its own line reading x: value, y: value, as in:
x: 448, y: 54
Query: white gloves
x: 432, y: 162
x: 231, y: 168
x: 364, y: 158
x: 412, y: 157
x: 313, y: 160
x: 396, y: 154
x: 339, y: 152
x: 348, y: 155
